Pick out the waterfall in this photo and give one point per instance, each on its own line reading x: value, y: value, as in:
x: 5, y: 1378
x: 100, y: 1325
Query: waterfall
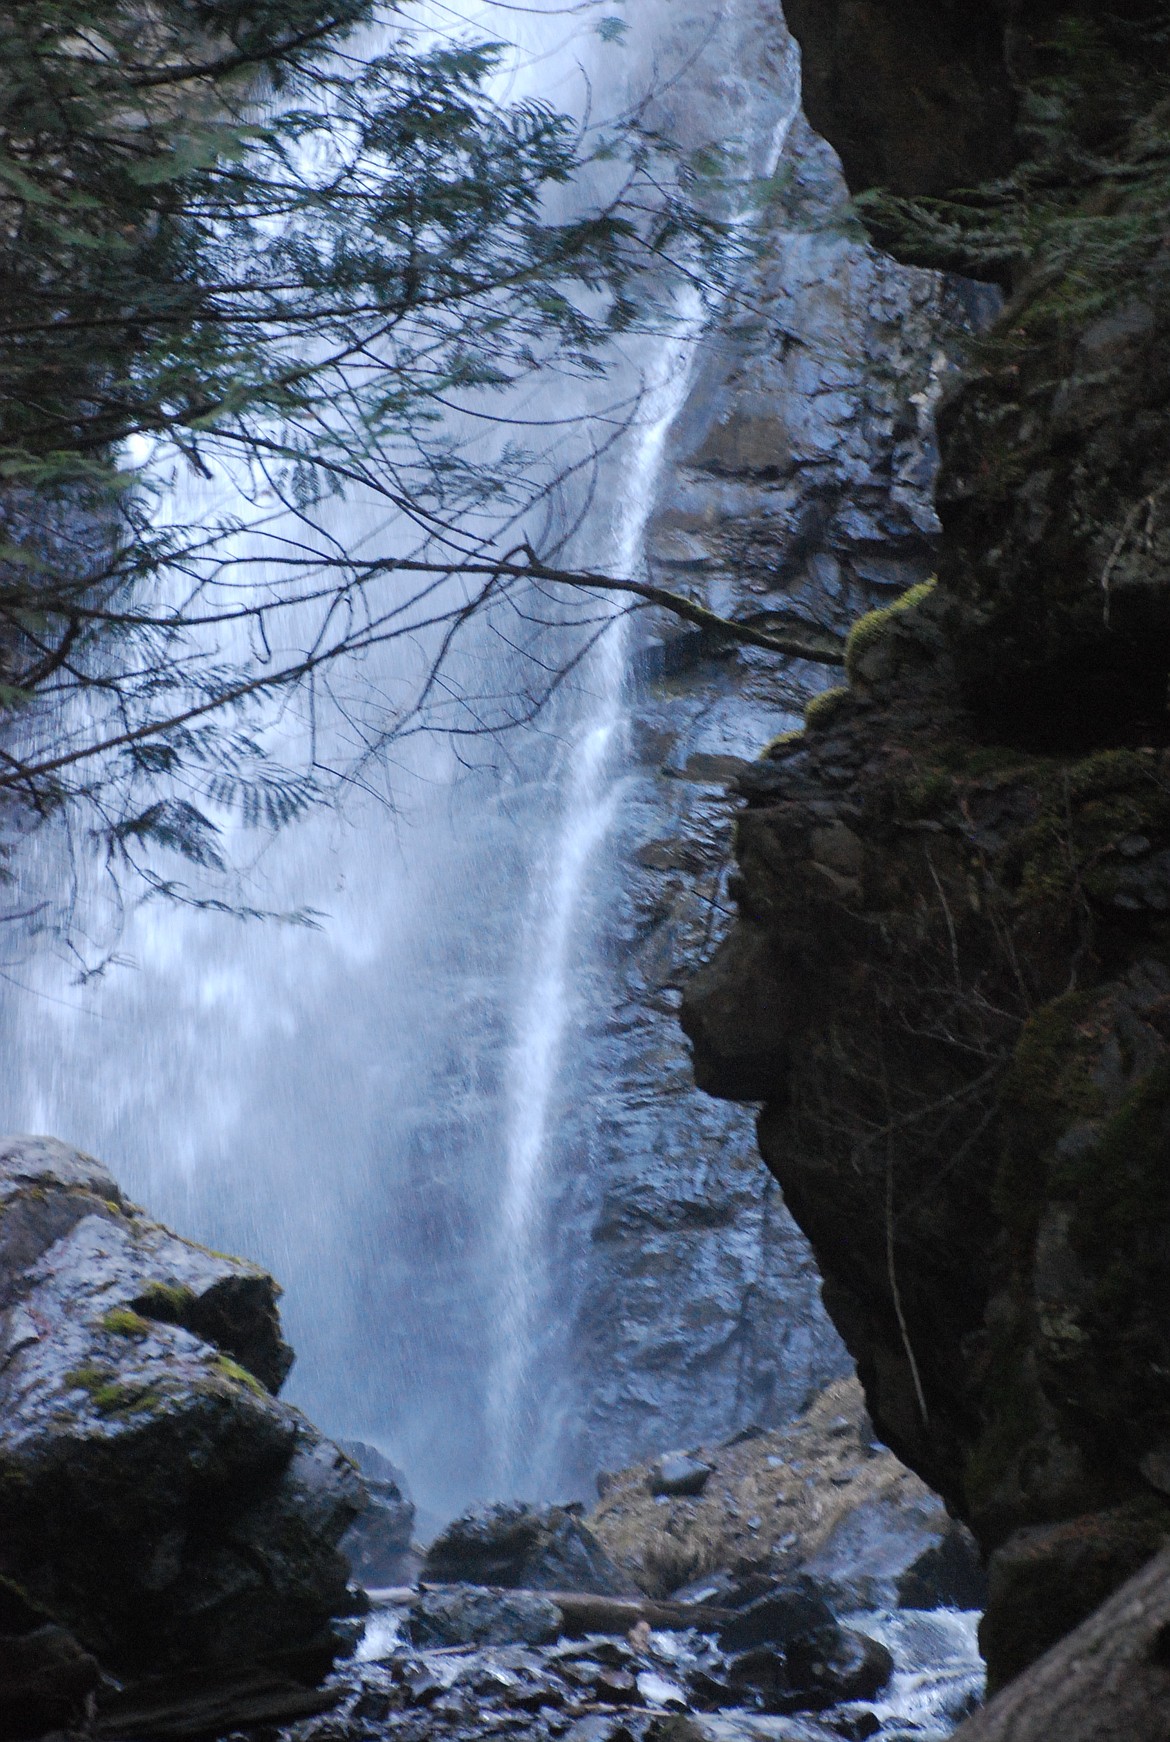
x: 591, y: 793
x: 368, y: 1109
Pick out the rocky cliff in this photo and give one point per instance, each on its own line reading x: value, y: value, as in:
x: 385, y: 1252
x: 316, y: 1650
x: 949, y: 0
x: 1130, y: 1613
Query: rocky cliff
x: 949, y: 977
x: 799, y: 472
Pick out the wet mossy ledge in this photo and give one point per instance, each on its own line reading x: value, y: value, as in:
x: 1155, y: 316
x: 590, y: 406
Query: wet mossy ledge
x: 169, y: 1528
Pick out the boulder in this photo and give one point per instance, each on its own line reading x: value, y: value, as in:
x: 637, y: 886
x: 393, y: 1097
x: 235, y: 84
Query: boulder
x: 537, y: 1548
x: 472, y: 1615
x: 949, y: 1574
x: 679, y: 1473
x: 905, y: 1552
x: 826, y: 1666
x: 377, y: 1543
x: 778, y: 1618
x: 163, y: 1516
x: 789, y: 1651
x: 45, y: 1675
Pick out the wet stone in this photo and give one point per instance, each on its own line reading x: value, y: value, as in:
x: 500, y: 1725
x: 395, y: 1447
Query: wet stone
x: 474, y: 1615
x: 678, y: 1473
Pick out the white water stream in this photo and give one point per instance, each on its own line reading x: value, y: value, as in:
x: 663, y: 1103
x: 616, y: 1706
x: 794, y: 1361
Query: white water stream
x: 371, y: 1109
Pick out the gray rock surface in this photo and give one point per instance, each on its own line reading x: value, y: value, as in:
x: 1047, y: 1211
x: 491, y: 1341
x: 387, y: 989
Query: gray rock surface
x: 774, y: 1620
x: 167, y: 1514
x: 902, y: 1550
x: 678, y: 1473
x: 813, y: 1670
x: 473, y: 1615
x: 536, y: 1548
x: 378, y: 1542
x: 798, y: 475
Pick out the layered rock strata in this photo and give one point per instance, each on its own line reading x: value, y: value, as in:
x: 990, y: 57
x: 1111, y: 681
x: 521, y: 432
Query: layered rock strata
x: 949, y: 977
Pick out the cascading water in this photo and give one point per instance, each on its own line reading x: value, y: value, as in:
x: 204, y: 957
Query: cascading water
x: 521, y: 1433
x: 369, y: 1109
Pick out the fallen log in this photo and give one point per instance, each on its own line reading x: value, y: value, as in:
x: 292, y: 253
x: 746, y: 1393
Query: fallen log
x: 1107, y: 1681
x: 585, y: 1612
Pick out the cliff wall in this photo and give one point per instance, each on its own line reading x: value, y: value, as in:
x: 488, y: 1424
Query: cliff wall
x: 949, y: 977
x: 798, y: 474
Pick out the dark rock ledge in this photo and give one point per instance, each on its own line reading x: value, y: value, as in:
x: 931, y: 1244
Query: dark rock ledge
x: 168, y: 1527
x: 949, y: 979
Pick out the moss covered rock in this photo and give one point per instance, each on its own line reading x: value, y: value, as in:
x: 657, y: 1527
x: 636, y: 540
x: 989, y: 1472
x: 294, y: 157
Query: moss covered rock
x: 160, y: 1508
x: 949, y: 985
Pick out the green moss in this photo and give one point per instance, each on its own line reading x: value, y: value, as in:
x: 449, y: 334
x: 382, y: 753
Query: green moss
x: 1083, y: 810
x: 925, y: 794
x: 870, y: 628
x: 786, y: 741
x: 168, y: 1302
x: 1107, y: 772
x: 124, y: 1323
x: 238, y: 1375
x: 108, y: 1394
x: 1012, y: 1420
x: 824, y: 706
x: 88, y: 1378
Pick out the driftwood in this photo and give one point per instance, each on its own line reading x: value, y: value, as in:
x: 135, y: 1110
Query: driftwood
x: 586, y: 1613
x: 1109, y: 1681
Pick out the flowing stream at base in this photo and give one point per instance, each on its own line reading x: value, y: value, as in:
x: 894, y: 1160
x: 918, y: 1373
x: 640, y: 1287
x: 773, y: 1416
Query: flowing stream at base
x: 370, y: 1109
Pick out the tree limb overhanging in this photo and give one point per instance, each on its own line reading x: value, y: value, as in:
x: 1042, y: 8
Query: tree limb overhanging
x: 301, y: 271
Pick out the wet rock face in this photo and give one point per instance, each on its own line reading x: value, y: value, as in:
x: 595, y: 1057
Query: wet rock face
x: 797, y: 476
x: 159, y: 1507
x: 945, y: 1117
x: 976, y: 1151
x: 1058, y: 533
x: 378, y: 1542
x: 538, y: 1548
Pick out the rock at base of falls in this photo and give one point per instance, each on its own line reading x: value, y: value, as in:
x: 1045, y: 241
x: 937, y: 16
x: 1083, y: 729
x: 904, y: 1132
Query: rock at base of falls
x: 473, y: 1615
x: 820, y: 1498
x: 378, y: 1542
x: 811, y: 1671
x: 678, y: 1473
x: 537, y: 1548
x: 168, y: 1527
x: 890, y: 1675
